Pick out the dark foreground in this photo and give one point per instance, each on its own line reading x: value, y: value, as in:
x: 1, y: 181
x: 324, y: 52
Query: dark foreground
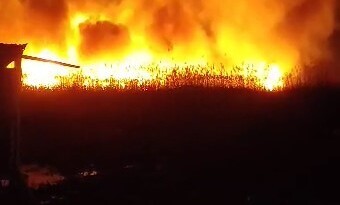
x: 186, y: 146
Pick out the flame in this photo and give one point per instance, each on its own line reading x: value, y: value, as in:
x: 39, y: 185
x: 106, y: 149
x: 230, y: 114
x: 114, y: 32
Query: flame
x: 168, y: 43
x: 38, y: 74
x: 140, y: 68
x: 274, y: 78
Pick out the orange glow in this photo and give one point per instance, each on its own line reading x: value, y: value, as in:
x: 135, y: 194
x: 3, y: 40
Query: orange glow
x: 141, y: 69
x: 169, y: 43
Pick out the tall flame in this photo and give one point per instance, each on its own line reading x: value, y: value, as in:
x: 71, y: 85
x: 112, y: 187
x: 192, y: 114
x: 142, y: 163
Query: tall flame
x: 167, y: 43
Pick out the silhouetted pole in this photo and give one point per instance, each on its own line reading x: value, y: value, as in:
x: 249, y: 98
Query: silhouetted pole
x: 49, y: 61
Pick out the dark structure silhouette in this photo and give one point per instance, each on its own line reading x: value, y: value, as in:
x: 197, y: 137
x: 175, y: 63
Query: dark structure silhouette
x: 11, y: 181
x: 10, y: 85
x: 49, y: 61
x: 12, y: 185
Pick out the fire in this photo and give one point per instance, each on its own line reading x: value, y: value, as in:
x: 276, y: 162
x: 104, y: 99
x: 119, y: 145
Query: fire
x: 168, y: 43
x: 274, y: 78
x: 141, y: 69
x: 38, y: 74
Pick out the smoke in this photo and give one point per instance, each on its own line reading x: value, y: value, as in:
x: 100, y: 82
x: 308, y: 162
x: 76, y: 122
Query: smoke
x: 37, y: 22
x: 308, y: 25
x: 335, y: 49
x: 291, y: 32
x: 46, y: 20
x: 102, y: 37
x: 171, y: 24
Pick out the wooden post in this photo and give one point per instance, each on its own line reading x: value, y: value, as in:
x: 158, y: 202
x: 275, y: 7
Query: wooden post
x: 15, y: 132
x: 10, y: 87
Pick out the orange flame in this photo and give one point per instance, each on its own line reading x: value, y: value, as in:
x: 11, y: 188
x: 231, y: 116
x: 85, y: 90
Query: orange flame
x: 141, y: 69
x: 168, y: 43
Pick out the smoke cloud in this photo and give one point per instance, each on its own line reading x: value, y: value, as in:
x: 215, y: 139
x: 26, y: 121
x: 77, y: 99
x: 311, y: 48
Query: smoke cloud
x: 102, y: 37
x: 46, y: 19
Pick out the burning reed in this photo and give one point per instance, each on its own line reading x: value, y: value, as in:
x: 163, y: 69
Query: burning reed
x: 169, y: 43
